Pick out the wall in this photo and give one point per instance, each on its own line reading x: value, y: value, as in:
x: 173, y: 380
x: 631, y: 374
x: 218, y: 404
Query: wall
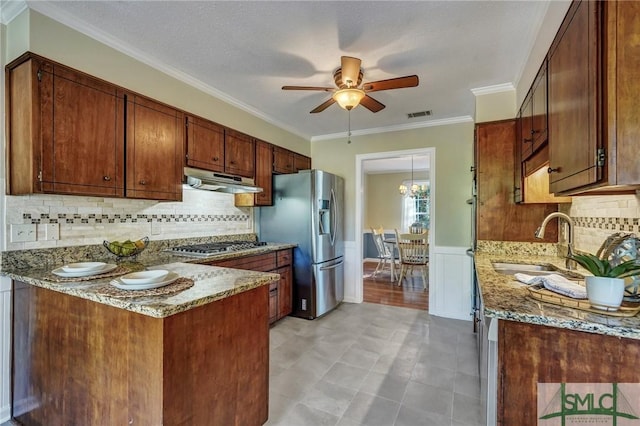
x: 454, y: 156
x: 383, y: 201
x: 89, y: 220
x: 496, y: 103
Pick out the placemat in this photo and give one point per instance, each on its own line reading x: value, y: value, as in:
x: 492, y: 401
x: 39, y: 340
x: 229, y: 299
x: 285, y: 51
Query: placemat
x: 178, y: 285
x: 120, y: 270
x: 540, y: 293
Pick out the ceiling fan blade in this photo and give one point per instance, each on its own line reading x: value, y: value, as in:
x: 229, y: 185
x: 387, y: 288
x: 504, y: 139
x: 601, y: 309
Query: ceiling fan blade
x: 323, y: 106
x: 350, y: 70
x: 392, y: 83
x: 322, y: 89
x: 371, y: 104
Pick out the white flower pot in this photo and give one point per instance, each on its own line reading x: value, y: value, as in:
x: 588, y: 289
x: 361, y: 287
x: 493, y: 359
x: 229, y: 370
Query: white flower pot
x: 605, y: 293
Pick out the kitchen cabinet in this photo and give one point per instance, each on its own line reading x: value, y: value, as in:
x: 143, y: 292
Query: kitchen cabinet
x: 498, y: 217
x: 264, y: 173
x: 525, y: 126
x: 281, y: 262
x: 56, y: 117
x: 239, y: 154
x: 301, y: 162
x: 539, y: 110
x: 593, y: 102
x: 529, y: 354
x: 205, y: 144
x: 154, y: 147
x: 283, y: 160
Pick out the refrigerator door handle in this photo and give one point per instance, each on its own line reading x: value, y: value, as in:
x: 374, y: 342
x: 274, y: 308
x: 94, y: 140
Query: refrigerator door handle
x: 334, y: 266
x: 334, y: 217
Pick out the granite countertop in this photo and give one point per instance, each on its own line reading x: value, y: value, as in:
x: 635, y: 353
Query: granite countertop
x: 506, y: 298
x: 211, y: 283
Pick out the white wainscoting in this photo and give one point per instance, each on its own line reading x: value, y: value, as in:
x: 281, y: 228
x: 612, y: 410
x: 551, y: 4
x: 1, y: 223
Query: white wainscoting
x: 352, y: 265
x: 450, y: 285
x: 5, y: 348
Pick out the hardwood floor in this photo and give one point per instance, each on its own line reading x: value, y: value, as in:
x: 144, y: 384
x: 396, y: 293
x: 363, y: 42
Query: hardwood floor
x: 411, y: 294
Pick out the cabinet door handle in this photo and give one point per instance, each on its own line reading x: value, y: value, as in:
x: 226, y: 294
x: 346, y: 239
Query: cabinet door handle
x: 143, y: 182
x: 232, y: 162
x: 215, y: 158
x: 550, y: 170
x: 527, y: 140
x: 106, y: 178
x: 534, y: 131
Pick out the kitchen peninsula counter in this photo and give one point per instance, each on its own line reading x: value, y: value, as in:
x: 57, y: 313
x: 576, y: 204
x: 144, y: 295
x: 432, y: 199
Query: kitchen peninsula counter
x: 197, y: 356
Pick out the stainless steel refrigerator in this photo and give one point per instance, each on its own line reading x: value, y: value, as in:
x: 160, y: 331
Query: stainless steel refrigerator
x: 308, y: 211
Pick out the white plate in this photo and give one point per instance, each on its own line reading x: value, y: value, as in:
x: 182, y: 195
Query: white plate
x: 106, y: 268
x: 145, y: 277
x: 171, y: 277
x: 83, y: 266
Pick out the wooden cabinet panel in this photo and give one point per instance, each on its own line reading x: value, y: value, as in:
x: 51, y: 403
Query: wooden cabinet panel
x: 301, y: 162
x: 282, y: 160
x: 573, y: 99
x: 529, y: 354
x: 259, y: 262
x: 154, y: 144
x: 66, y: 131
x: 264, y: 173
x: 205, y: 144
x: 239, y: 155
x: 285, y: 288
x: 526, y: 138
x: 498, y: 216
x: 273, y: 302
x: 539, y: 112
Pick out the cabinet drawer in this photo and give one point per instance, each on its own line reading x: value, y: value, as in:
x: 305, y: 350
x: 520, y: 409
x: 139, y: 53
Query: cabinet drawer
x: 261, y: 263
x: 284, y: 258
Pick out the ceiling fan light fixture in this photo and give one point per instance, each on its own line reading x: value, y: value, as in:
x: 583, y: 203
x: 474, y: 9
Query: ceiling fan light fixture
x: 348, y: 98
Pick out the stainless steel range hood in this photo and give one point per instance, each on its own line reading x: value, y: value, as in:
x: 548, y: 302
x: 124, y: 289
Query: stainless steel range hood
x: 212, y: 181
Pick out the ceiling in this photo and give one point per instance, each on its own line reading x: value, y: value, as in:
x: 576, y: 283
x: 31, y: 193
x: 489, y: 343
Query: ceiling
x: 396, y: 164
x: 245, y: 51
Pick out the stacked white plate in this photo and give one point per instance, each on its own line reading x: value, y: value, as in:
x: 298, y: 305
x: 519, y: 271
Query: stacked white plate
x: 145, y: 280
x: 84, y: 269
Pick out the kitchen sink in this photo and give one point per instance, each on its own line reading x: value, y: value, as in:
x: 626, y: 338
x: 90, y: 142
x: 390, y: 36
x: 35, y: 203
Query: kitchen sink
x: 523, y: 268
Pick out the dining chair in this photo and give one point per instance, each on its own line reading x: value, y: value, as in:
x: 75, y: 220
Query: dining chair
x: 385, y: 256
x: 414, y: 252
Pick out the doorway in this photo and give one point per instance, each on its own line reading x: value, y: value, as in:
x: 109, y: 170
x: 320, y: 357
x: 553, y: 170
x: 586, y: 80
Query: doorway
x: 379, y: 203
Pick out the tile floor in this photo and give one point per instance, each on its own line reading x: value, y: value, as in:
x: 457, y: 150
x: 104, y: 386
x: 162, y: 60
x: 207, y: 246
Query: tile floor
x: 373, y: 365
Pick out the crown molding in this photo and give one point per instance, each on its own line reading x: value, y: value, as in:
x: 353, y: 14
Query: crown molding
x: 496, y: 88
x: 400, y: 127
x: 51, y: 11
x: 9, y: 9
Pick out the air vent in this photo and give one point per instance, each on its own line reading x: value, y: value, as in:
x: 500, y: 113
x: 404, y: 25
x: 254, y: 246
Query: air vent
x: 419, y: 114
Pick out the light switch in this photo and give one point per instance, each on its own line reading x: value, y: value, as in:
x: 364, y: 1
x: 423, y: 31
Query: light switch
x: 21, y: 233
x: 52, y: 231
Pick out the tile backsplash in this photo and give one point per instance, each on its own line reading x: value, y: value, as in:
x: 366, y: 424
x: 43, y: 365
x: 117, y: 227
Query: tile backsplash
x: 597, y: 217
x: 90, y: 220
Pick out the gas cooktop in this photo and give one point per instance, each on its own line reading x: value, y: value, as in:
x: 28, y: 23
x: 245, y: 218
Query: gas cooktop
x: 208, y: 249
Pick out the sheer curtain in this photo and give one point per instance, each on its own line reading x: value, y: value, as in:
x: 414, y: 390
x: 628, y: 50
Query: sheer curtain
x: 416, y: 209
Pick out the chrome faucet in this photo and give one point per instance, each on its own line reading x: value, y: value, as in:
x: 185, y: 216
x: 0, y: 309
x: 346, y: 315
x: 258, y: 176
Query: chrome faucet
x: 570, y: 263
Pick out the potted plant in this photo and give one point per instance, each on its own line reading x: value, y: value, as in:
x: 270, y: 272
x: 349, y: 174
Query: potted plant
x: 605, y: 289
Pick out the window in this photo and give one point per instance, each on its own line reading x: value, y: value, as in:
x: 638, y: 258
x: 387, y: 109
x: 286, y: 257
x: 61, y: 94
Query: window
x: 416, y: 208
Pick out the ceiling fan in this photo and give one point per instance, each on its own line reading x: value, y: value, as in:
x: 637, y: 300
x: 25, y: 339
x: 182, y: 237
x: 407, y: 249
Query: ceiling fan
x: 350, y: 93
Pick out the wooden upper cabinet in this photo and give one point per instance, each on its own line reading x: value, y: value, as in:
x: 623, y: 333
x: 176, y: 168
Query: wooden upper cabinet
x: 239, y: 155
x: 574, y: 98
x: 499, y: 218
x: 525, y: 127
x: 282, y: 160
x: 301, y: 162
x: 205, y: 144
x: 154, y: 144
x: 594, y: 81
x: 65, y: 131
x: 539, y: 109
x: 264, y: 174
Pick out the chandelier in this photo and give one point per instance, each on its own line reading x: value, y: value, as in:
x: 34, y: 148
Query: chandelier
x: 414, y: 189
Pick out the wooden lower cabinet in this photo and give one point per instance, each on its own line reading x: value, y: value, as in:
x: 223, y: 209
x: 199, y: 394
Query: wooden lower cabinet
x: 280, y: 262
x: 529, y: 354
x: 79, y: 362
